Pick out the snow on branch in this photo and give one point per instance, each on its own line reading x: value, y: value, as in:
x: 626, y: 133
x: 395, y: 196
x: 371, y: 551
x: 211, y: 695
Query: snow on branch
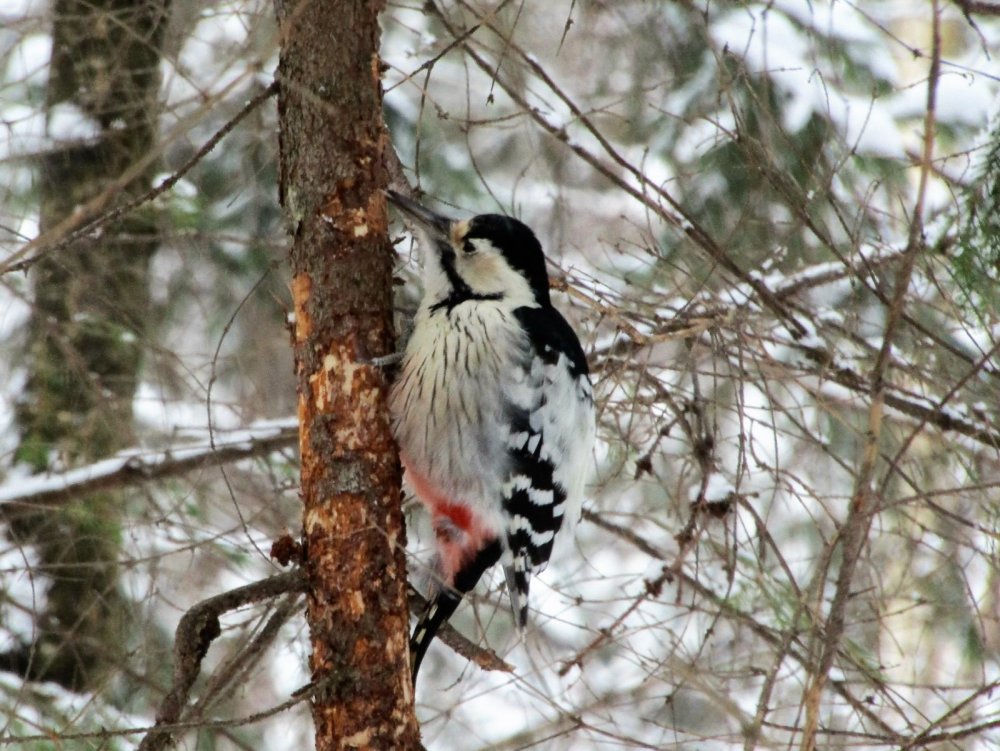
x: 136, y: 465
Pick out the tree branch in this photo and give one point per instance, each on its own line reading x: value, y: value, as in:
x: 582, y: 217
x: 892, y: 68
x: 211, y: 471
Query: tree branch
x: 781, y: 639
x: 674, y: 213
x: 980, y: 7
x: 853, y: 533
x: 195, y: 633
x: 89, y: 219
x: 32, y: 494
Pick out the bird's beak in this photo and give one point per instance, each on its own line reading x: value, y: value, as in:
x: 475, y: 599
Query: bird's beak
x: 436, y: 224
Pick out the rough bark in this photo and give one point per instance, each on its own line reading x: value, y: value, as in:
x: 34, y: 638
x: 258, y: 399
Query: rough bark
x: 332, y: 178
x: 88, y: 326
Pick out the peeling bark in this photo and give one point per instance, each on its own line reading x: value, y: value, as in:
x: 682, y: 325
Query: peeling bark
x: 332, y: 179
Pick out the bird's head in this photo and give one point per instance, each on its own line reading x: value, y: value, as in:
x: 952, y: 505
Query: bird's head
x: 486, y: 257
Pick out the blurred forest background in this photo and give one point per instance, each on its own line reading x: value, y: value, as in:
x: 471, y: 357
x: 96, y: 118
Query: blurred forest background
x: 775, y: 226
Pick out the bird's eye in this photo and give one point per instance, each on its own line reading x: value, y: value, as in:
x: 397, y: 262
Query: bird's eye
x: 469, y: 247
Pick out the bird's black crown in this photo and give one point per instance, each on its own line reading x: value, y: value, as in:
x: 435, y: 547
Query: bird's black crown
x: 519, y: 247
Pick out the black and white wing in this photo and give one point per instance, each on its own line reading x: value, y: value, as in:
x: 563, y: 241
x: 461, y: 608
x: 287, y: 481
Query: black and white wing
x: 550, y: 447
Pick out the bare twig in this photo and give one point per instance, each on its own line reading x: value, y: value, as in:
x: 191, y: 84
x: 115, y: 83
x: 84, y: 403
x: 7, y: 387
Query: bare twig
x: 298, y: 696
x: 235, y: 670
x: 783, y: 640
x: 88, y: 218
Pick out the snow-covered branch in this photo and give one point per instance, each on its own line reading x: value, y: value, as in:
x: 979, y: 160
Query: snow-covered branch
x: 136, y: 465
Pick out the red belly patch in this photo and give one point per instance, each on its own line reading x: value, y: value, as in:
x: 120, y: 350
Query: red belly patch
x: 460, y: 533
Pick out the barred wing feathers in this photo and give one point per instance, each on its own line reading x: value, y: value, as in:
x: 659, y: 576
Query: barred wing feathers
x: 550, y: 442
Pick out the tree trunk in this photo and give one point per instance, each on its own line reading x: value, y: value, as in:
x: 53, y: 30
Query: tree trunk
x: 88, y: 325
x: 331, y: 180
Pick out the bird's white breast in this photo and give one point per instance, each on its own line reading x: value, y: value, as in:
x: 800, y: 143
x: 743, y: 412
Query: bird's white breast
x: 449, y: 403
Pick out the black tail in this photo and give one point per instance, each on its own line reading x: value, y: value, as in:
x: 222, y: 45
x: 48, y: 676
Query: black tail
x: 443, y: 602
x: 438, y: 611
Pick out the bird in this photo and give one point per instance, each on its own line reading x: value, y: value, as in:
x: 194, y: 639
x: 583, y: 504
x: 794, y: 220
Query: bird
x: 492, y: 409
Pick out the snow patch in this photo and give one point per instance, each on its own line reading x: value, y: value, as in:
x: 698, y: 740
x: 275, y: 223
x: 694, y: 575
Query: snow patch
x: 68, y: 122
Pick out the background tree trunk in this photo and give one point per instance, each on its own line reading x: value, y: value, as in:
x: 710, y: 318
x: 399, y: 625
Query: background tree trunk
x: 88, y: 325
x: 331, y: 181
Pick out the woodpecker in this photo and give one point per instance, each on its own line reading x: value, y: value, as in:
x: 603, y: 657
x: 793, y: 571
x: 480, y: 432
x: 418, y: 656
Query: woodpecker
x: 492, y: 409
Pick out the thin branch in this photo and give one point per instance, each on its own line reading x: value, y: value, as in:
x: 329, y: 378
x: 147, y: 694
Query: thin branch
x: 826, y: 366
x: 782, y: 639
x: 298, y: 696
x: 87, y: 219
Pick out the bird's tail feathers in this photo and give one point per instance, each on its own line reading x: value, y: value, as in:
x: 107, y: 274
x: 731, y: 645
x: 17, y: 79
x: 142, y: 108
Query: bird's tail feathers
x: 444, y: 599
x: 439, y: 609
x: 518, y: 575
